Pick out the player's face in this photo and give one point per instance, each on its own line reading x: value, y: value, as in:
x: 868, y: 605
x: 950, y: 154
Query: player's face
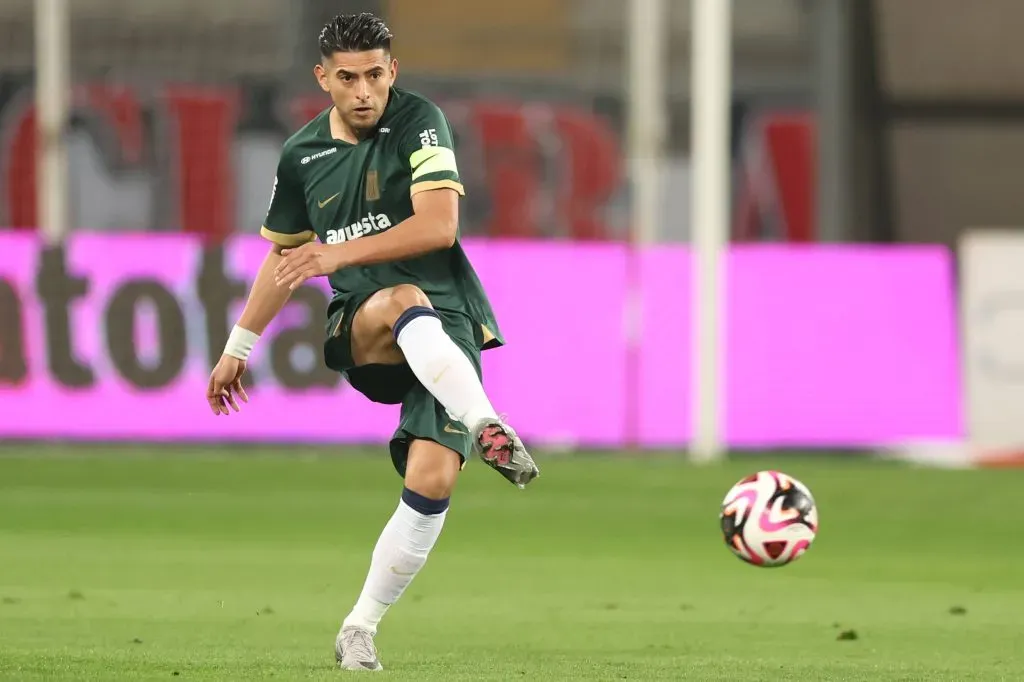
x: 358, y: 83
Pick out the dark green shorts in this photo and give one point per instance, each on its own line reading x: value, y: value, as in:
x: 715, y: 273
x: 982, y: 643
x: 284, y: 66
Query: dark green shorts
x: 422, y: 416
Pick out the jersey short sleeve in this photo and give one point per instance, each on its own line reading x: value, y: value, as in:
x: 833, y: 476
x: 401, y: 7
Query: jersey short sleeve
x: 287, y: 223
x: 428, y: 147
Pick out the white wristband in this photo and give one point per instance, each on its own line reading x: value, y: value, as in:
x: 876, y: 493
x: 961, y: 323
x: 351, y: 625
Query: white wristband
x: 240, y: 343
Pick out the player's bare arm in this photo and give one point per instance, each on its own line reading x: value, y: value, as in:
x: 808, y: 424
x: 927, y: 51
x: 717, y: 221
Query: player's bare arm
x: 432, y: 227
x: 264, y: 303
x: 265, y: 299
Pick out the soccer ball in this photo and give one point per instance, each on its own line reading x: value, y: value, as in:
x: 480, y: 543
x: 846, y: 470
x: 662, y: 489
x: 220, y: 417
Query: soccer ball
x: 769, y: 519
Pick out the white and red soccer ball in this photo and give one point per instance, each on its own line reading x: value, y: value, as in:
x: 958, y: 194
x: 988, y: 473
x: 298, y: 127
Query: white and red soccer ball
x: 769, y: 519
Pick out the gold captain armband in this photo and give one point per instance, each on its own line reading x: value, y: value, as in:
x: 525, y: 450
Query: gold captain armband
x: 432, y: 160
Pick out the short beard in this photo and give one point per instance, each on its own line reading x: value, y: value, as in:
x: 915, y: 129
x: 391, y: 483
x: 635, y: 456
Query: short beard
x: 362, y: 129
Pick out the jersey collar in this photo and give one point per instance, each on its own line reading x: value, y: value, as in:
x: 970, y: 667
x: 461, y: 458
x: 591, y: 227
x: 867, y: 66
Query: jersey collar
x: 325, y: 122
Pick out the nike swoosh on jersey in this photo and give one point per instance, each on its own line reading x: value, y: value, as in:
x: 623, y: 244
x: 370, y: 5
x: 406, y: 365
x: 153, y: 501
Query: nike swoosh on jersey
x: 326, y: 201
x: 451, y: 429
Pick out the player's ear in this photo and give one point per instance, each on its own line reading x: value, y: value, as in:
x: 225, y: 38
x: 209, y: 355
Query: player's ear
x: 394, y: 69
x: 321, y: 77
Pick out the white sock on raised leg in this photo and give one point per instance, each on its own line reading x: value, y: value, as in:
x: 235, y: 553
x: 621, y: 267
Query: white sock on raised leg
x: 441, y: 366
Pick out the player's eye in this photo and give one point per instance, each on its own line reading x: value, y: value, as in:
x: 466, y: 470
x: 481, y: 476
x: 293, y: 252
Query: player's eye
x: 376, y: 75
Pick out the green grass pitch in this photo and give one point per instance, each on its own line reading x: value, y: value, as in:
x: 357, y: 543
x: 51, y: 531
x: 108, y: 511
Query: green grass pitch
x: 222, y: 564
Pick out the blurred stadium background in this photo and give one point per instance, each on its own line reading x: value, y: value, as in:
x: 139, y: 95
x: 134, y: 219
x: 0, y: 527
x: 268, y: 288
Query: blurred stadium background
x: 871, y: 304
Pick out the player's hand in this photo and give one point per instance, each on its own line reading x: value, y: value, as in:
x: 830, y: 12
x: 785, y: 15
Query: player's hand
x: 225, y: 384
x: 309, y: 260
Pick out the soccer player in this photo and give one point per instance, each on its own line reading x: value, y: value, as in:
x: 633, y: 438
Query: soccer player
x: 367, y: 194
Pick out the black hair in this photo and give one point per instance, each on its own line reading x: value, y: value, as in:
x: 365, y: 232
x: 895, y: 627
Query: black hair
x: 354, y: 33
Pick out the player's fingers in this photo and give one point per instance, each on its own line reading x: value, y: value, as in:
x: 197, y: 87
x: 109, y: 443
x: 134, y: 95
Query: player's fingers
x: 288, y: 278
x: 222, y: 396
x: 289, y: 258
x: 217, y: 404
x: 237, y: 386
x: 287, y: 255
x: 301, y: 277
x: 213, y: 396
x: 230, y: 397
x: 223, y: 402
x: 283, y: 266
x: 287, y: 270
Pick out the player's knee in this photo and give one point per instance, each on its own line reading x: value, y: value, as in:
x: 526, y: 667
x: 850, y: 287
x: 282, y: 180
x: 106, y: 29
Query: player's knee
x: 435, y: 484
x: 405, y: 296
x: 432, y: 470
x: 405, y: 302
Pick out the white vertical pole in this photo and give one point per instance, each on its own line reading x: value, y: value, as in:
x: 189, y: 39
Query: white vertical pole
x: 711, y: 87
x: 646, y: 113
x: 53, y: 96
x: 647, y: 118
x: 833, y: 119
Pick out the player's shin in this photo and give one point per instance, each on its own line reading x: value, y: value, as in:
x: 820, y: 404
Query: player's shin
x: 441, y: 366
x: 400, y: 553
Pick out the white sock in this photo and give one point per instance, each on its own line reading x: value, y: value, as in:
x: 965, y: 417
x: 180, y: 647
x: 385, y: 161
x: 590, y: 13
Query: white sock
x: 444, y: 369
x: 400, y: 553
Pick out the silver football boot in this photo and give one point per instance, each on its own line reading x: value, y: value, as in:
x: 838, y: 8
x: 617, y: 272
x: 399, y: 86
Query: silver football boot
x: 501, y: 449
x: 354, y: 650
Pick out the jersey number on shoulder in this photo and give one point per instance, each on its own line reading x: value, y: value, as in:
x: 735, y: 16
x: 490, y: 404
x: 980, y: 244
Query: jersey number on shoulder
x: 428, y: 138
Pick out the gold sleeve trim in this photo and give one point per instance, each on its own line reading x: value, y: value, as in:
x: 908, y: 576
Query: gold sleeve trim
x: 437, y: 184
x: 282, y: 239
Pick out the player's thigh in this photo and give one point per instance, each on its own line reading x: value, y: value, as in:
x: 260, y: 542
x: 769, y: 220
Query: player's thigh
x: 384, y: 378
x: 424, y: 419
x: 372, y: 336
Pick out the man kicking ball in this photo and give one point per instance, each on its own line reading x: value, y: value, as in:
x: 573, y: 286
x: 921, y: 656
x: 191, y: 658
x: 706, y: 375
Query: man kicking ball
x: 367, y: 194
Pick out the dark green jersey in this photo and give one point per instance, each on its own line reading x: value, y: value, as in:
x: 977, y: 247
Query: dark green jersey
x: 337, y: 191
